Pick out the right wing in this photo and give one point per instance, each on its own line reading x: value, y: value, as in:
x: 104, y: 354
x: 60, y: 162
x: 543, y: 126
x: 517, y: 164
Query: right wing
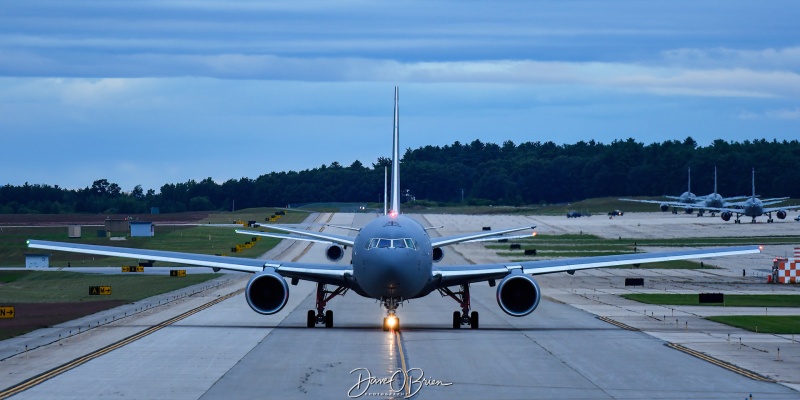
x: 325, y: 273
x: 670, y: 203
x: 301, y: 234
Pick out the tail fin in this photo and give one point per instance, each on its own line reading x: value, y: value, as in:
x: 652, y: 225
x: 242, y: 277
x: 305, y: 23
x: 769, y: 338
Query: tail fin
x: 715, y: 179
x: 395, y: 207
x: 754, y: 183
x: 385, y: 190
x: 689, y: 187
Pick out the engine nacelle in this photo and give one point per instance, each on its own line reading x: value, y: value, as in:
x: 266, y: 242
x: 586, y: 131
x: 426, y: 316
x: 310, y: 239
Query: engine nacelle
x: 689, y: 210
x: 334, y: 252
x: 781, y: 214
x: 267, y: 292
x: 726, y: 216
x: 438, y: 254
x: 665, y: 207
x: 518, y: 295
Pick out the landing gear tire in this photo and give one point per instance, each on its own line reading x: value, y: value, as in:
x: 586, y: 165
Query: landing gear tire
x: 311, y: 319
x: 473, y: 320
x: 456, y: 320
x: 329, y: 319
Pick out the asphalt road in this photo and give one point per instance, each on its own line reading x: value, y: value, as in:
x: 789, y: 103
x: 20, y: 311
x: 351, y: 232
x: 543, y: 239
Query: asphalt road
x: 227, y: 351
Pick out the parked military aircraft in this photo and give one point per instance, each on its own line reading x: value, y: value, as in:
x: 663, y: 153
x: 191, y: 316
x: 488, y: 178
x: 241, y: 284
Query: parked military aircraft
x: 710, y: 202
x: 393, y: 260
x: 754, y: 207
x: 687, y: 200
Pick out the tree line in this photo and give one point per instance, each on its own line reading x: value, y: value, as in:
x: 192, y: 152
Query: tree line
x: 475, y: 173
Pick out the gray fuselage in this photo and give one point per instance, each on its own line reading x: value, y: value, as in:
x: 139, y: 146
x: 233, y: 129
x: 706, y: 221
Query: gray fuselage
x: 392, y: 259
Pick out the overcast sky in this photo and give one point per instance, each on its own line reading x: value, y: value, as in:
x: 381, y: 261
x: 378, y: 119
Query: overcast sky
x: 154, y: 92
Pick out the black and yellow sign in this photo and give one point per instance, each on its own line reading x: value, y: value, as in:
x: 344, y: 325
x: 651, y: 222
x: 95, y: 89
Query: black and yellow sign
x: 137, y: 268
x: 99, y: 290
x: 6, y: 311
x: 177, y: 272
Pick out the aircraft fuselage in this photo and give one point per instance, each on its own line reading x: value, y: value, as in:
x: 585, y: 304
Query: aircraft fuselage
x: 392, y: 258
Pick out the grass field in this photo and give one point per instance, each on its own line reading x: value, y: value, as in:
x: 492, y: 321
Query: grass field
x: 46, y: 298
x: 780, y: 324
x: 572, y: 245
x: 56, y: 286
x: 194, y: 239
x: 731, y: 300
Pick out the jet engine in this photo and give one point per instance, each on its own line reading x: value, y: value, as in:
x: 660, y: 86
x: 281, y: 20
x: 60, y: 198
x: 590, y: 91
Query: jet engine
x: 689, y: 210
x: 518, y: 295
x: 726, y: 216
x: 438, y: 254
x: 781, y: 214
x: 334, y: 252
x: 665, y: 207
x: 267, y: 292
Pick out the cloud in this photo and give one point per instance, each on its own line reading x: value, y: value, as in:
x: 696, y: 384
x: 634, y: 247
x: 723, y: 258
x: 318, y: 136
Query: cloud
x: 784, y: 114
x: 785, y: 59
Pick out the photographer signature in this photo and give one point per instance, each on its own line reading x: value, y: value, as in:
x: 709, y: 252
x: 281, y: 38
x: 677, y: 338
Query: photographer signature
x: 410, y: 382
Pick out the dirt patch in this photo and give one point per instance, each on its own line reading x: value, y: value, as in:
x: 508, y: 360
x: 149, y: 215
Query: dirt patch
x: 95, y: 219
x: 32, y: 316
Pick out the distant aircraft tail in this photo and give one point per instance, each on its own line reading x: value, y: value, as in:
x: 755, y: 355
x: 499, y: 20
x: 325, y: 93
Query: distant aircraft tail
x: 715, y: 179
x: 395, y: 207
x: 754, y: 183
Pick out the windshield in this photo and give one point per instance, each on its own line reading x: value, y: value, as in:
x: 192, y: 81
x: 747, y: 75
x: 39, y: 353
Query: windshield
x: 406, y: 243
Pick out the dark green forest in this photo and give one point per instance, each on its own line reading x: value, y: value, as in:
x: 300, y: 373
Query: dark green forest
x: 484, y: 173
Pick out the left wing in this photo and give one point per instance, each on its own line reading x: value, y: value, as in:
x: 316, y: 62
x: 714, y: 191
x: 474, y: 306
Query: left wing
x: 326, y: 273
x: 480, y: 236
x: 450, y: 275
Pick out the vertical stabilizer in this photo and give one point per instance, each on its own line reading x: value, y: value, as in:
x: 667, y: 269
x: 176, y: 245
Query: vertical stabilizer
x: 689, y: 188
x: 715, y: 179
x: 385, y: 190
x: 754, y: 183
x: 395, y: 206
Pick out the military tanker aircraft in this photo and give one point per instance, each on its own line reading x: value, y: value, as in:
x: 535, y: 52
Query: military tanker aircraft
x: 394, y: 260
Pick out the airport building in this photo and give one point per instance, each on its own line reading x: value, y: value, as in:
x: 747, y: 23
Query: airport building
x: 37, y: 260
x: 142, y: 229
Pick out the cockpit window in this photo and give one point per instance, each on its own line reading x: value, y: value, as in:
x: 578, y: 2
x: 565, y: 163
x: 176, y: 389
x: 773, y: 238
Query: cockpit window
x: 392, y: 243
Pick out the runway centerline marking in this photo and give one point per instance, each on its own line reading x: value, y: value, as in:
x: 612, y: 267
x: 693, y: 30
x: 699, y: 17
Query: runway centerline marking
x: 403, y: 365
x: 41, y: 378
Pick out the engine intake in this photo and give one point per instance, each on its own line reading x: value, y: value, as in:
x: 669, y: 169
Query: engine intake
x: 334, y: 252
x: 518, y: 295
x: 726, y: 216
x: 665, y: 207
x: 781, y: 214
x: 438, y: 254
x: 267, y: 292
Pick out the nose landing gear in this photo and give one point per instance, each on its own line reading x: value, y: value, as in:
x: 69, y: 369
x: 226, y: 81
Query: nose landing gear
x: 391, y: 322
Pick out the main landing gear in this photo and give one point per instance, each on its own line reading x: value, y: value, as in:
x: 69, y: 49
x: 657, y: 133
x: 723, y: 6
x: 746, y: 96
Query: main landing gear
x: 391, y: 322
x: 323, y: 297
x: 463, y: 317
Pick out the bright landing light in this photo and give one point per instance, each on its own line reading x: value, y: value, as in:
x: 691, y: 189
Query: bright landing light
x: 391, y: 322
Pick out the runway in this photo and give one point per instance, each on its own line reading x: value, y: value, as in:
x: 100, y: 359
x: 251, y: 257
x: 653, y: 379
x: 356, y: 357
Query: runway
x: 228, y: 351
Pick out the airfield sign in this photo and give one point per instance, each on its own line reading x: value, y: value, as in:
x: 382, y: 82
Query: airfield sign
x: 7, y: 312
